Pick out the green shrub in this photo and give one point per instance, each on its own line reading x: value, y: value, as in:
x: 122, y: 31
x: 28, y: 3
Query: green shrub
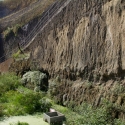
x: 17, y: 103
x: 119, y: 122
x: 53, y: 87
x: 36, y: 80
x: 19, y: 55
x: 1, y: 110
x: 13, y: 31
x: 91, y: 116
x: 8, y: 33
x: 16, y: 29
x: 24, y: 102
x: 16, y: 55
x: 45, y: 104
x: 8, y: 82
x: 86, y: 114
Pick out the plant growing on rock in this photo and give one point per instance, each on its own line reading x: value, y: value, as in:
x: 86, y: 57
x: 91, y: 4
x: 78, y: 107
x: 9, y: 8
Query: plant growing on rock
x: 33, y: 79
x: 8, y: 33
x: 12, y: 31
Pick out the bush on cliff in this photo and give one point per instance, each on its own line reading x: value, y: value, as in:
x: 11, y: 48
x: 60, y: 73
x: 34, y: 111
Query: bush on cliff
x: 12, y: 31
x: 35, y: 80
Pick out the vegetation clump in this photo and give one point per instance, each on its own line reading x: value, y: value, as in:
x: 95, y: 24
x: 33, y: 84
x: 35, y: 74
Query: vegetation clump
x: 8, y: 81
x: 18, y: 100
x: 12, y: 31
x: 86, y: 114
x: 36, y: 80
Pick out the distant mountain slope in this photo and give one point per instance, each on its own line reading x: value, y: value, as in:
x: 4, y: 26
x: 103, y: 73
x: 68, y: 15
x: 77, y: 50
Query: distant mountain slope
x: 25, y: 15
x: 3, y: 10
x: 15, y: 5
x: 10, y: 6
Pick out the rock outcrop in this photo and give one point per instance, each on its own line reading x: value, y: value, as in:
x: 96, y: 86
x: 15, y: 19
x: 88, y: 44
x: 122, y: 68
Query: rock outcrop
x: 85, y: 40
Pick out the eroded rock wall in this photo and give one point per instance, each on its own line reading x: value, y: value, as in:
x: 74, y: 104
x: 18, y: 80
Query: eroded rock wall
x: 85, y: 40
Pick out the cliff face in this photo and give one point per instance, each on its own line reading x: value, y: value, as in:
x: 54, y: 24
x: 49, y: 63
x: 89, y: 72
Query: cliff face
x: 85, y: 40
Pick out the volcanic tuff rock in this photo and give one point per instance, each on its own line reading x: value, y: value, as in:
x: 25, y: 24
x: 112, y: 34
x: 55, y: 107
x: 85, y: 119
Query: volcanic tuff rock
x: 85, y: 40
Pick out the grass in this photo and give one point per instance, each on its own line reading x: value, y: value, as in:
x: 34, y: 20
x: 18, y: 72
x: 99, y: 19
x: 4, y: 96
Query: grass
x: 17, y: 100
x: 71, y: 117
x: 85, y: 114
x: 8, y: 81
x: 16, y: 103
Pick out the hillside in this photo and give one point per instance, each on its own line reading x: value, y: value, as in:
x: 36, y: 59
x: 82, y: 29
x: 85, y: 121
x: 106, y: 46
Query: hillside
x: 13, y: 24
x: 84, y: 48
x: 11, y: 6
x: 15, y: 5
x: 25, y: 14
